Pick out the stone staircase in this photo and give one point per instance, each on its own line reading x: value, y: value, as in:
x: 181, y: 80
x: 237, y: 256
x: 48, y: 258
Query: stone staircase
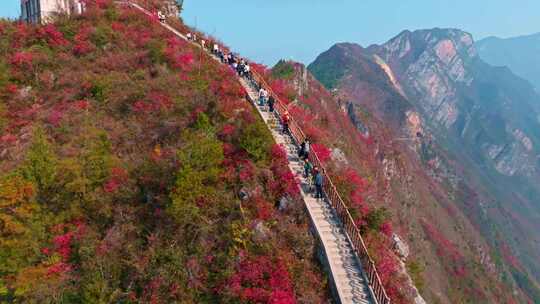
x: 344, y: 267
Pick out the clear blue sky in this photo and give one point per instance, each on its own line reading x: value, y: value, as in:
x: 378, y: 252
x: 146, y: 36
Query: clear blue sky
x: 267, y: 30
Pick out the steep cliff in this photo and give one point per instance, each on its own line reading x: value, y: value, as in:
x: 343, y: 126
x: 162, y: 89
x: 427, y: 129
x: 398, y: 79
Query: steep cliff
x: 473, y: 127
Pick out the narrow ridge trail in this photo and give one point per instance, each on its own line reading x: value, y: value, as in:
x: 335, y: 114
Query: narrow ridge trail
x: 350, y: 282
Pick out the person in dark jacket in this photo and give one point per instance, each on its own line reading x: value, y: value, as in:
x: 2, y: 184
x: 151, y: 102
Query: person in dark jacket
x: 308, y: 169
x: 319, y: 182
x: 302, y: 150
x: 285, y: 120
x: 271, y: 102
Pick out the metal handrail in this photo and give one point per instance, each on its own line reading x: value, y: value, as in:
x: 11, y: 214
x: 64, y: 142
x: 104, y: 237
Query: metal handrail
x: 337, y: 203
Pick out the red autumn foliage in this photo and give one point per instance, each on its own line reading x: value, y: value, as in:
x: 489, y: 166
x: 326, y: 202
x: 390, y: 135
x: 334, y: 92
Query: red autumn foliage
x: 264, y: 209
x: 59, y: 268
x: 246, y: 171
x: 446, y: 249
x: 62, y: 245
x: 22, y: 59
x: 82, y: 44
x: 261, y: 280
x: 118, y: 178
x: 285, y: 181
x: 82, y: 105
x: 227, y: 130
x: 8, y: 138
x: 445, y: 246
x: 51, y: 34
x: 11, y: 88
x: 154, y: 102
x: 322, y: 152
x: 160, y: 100
x: 509, y: 257
x: 386, y: 229
x: 282, y: 90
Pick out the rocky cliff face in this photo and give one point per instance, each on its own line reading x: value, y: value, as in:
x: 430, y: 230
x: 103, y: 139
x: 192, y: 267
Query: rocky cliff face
x: 488, y: 109
x: 475, y: 127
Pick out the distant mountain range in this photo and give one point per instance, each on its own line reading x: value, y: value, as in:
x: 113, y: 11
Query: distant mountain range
x: 520, y: 54
x: 474, y: 125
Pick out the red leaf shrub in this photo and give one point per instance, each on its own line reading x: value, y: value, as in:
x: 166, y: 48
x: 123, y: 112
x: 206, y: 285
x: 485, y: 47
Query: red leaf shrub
x: 55, y: 117
x: 8, y: 138
x: 247, y: 171
x: 322, y: 152
x: 227, y: 130
x: 264, y: 209
x: 11, y: 88
x: 22, y: 59
x: 119, y: 177
x: 59, y: 268
x: 82, y: 45
x: 285, y: 182
x: 154, y: 102
x: 278, y: 153
x: 51, y: 34
x: 386, y: 229
x: 82, y: 105
x: 261, y: 280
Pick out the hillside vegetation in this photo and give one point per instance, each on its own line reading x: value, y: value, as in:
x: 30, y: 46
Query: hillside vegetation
x: 134, y: 171
x: 390, y: 193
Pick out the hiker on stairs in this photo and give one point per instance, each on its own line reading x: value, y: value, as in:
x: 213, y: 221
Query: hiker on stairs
x: 262, y: 96
x: 271, y: 102
x: 307, y: 149
x: 247, y: 71
x: 319, y: 182
x: 308, y: 169
x: 161, y: 17
x: 285, y: 120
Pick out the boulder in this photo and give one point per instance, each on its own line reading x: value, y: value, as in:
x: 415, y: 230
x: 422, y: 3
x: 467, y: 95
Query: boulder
x: 284, y: 203
x: 261, y: 233
x: 401, y: 248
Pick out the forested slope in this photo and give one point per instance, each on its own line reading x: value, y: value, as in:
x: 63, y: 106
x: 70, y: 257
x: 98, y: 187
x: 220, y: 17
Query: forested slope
x: 134, y: 171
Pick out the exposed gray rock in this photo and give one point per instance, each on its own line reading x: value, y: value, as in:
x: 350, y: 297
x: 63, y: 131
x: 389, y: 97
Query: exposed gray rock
x: 284, y: 203
x: 401, y: 248
x: 261, y: 233
x: 339, y: 156
x: 25, y: 92
x: 243, y: 194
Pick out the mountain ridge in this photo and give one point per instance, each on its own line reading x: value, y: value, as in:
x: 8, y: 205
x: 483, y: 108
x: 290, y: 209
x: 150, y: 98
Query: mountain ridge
x: 467, y: 111
x: 519, y: 53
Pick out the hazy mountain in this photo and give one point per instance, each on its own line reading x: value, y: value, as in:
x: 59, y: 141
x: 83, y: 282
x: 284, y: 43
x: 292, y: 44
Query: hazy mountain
x: 520, y: 54
x: 477, y: 124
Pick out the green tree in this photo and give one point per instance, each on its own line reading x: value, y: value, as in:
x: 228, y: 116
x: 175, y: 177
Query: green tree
x: 40, y: 166
x: 256, y: 140
x: 200, y: 160
x: 21, y: 229
x: 97, y: 160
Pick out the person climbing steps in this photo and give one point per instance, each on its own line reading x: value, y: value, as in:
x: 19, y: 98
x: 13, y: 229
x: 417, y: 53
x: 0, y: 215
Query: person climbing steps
x: 319, y: 182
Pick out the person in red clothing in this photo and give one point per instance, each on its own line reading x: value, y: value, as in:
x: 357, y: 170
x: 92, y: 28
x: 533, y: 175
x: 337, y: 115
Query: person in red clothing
x: 285, y: 119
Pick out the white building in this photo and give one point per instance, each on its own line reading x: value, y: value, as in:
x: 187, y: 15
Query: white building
x: 39, y: 11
